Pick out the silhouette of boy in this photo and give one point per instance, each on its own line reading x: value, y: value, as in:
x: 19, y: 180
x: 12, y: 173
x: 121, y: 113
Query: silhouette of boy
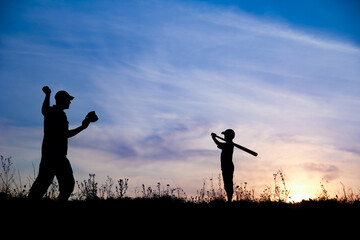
x: 227, y: 165
x: 54, y: 147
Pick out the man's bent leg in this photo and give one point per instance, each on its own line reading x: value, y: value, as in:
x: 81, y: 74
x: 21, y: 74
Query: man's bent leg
x: 66, y: 179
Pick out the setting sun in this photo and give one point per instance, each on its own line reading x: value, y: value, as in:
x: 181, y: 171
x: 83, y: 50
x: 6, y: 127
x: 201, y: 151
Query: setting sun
x: 298, y: 197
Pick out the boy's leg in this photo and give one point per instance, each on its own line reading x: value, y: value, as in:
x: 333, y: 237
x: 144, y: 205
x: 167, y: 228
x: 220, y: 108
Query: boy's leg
x: 65, y: 178
x: 228, y: 183
x: 42, y: 181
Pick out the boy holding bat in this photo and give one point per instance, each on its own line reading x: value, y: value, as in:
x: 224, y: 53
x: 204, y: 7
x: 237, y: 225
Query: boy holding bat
x: 227, y: 165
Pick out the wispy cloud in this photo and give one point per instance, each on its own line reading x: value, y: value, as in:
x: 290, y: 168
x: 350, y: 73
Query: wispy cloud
x: 330, y: 172
x: 277, y: 30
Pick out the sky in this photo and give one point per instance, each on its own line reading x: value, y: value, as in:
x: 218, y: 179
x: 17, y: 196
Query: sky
x: 163, y: 75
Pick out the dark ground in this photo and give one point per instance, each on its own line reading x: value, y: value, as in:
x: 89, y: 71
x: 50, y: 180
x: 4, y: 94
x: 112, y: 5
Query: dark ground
x: 173, y: 218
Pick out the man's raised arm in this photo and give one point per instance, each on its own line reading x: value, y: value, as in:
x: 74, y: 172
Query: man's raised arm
x: 46, y: 103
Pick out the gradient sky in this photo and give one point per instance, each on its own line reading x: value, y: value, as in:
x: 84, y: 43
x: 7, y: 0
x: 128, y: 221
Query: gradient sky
x: 163, y: 75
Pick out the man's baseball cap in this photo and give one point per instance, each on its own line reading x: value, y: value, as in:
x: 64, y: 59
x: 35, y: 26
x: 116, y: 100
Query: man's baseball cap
x: 229, y: 132
x: 63, y: 95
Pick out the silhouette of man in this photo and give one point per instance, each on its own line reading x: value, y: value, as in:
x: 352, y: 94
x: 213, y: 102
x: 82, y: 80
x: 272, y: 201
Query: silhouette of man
x: 54, y: 147
x: 227, y: 165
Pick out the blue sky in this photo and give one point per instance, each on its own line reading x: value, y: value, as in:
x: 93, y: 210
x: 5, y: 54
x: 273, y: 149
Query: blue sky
x: 163, y: 75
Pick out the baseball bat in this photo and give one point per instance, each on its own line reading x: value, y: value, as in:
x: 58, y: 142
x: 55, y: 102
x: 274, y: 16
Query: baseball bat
x: 241, y: 147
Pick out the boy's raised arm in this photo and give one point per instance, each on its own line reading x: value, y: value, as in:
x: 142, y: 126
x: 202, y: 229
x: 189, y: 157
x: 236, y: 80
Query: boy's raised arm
x: 213, y: 135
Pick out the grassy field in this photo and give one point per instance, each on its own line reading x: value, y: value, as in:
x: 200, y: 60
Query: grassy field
x: 172, y: 217
x: 106, y: 209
